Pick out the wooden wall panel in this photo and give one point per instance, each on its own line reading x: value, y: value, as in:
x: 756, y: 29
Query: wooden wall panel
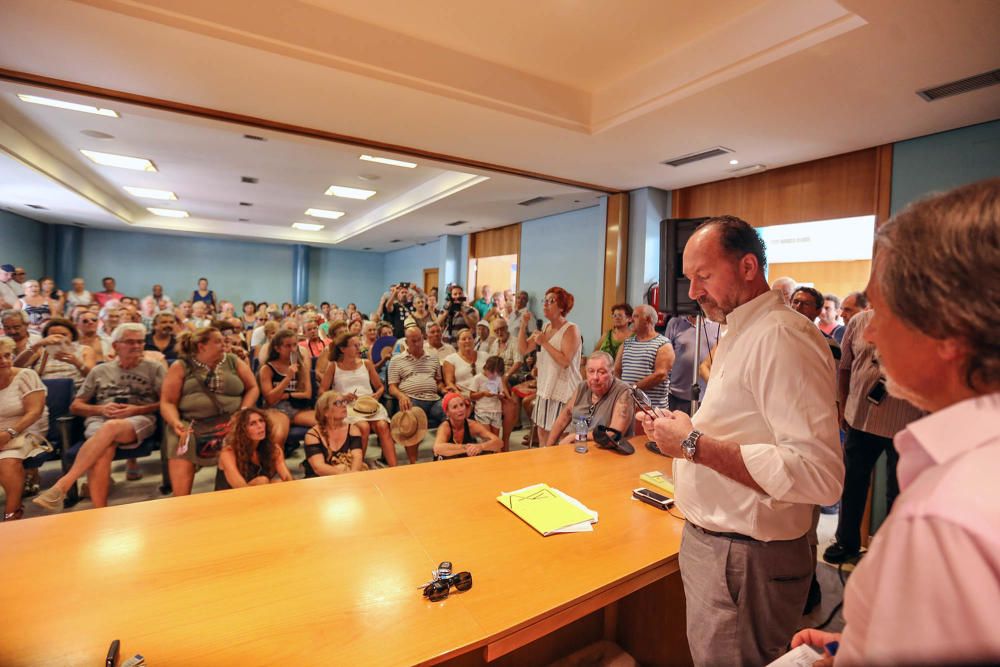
x: 840, y: 278
x: 841, y: 186
x: 615, y: 255
x: 499, y: 241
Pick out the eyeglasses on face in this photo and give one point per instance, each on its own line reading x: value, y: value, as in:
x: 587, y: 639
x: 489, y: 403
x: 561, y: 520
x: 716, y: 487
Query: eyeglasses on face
x: 340, y: 402
x: 439, y: 589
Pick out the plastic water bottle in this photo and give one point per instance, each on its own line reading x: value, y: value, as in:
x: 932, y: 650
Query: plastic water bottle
x: 581, y: 426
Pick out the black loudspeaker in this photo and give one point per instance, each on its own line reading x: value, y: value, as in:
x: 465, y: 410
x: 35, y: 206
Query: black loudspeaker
x: 674, y: 235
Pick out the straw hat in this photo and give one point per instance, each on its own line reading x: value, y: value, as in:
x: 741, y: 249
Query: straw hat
x: 409, y: 427
x: 366, y: 406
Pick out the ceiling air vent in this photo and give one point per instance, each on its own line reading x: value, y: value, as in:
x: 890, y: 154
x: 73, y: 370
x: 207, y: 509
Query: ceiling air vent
x: 253, y: 137
x: 532, y: 202
x: 395, y: 240
x: 244, y: 219
x: 366, y: 248
x: 246, y: 203
x: 456, y: 223
x: 248, y: 179
x: 966, y: 85
x: 37, y: 207
x: 746, y: 171
x: 697, y: 157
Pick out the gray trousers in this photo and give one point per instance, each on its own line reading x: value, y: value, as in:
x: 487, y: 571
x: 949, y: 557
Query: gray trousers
x: 744, y: 598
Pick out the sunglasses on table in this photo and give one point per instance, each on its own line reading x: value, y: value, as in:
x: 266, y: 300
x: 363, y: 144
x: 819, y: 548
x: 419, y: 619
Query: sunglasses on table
x: 439, y: 589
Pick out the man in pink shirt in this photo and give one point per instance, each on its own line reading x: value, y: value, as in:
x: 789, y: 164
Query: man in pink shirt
x: 928, y: 592
x: 109, y: 293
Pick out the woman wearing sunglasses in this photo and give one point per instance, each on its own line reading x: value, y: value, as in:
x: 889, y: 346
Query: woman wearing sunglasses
x: 461, y: 367
x: 249, y: 458
x: 458, y: 437
x: 333, y: 446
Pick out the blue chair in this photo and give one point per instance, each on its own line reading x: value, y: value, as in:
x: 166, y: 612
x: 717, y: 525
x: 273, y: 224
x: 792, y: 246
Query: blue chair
x: 145, y: 448
x: 60, y: 393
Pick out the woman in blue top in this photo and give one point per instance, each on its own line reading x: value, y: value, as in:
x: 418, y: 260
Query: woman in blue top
x: 204, y: 294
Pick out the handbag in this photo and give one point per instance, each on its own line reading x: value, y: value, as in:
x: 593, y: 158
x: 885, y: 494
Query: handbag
x: 210, y: 433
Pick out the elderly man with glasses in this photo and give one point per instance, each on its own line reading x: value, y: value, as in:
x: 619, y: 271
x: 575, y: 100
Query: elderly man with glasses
x: 120, y: 401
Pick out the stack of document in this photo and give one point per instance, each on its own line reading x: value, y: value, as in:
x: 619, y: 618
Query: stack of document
x: 549, y: 510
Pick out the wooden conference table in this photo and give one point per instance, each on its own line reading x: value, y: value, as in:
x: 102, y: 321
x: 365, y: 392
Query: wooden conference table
x: 325, y: 571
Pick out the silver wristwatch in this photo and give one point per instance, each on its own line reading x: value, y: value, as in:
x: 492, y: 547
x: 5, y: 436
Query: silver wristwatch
x: 690, y: 445
x: 13, y: 434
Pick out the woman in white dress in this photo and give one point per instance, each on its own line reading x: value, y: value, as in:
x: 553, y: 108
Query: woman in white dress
x: 357, y: 379
x: 24, y: 421
x: 558, y: 346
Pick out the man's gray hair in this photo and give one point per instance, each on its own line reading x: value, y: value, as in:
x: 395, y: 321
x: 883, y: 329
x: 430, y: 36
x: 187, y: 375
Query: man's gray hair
x: 601, y: 354
x: 427, y: 327
x: 645, y: 311
x: 938, y: 269
x: 11, y: 312
x: 122, y: 329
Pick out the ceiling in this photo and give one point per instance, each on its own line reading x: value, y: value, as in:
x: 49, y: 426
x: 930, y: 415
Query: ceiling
x: 596, y: 92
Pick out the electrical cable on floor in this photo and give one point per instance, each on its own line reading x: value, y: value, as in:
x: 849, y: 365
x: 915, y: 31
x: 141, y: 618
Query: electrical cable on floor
x: 833, y: 612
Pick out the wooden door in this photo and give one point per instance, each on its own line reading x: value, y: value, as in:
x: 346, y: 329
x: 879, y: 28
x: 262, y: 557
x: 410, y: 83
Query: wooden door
x: 430, y: 279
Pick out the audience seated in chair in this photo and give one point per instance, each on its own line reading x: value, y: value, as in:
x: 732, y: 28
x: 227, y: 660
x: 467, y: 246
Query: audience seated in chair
x: 119, y: 400
x: 357, y: 380
x: 458, y: 437
x: 23, y: 424
x: 285, y: 385
x: 333, y: 446
x: 249, y: 456
x: 415, y: 380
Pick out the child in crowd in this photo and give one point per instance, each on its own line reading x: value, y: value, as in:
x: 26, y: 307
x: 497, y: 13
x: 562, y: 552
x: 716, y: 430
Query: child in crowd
x: 486, y: 389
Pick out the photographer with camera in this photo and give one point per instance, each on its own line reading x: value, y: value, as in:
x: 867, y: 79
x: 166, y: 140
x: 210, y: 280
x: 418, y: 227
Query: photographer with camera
x: 870, y: 417
x: 457, y: 314
x: 397, y: 307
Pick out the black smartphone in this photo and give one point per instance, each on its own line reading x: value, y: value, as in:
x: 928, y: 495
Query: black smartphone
x: 653, y: 498
x: 877, y: 393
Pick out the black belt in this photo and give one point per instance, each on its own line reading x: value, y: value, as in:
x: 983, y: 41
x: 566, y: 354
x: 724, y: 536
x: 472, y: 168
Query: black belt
x: 729, y: 536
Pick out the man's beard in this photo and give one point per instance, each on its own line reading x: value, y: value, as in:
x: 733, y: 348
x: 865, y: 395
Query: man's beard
x: 712, y: 311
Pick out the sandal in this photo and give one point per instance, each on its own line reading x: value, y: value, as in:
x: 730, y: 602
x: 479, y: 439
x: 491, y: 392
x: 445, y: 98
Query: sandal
x: 133, y: 474
x: 15, y: 515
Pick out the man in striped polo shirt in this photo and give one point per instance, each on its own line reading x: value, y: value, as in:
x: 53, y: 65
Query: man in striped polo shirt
x: 415, y: 378
x: 645, y: 358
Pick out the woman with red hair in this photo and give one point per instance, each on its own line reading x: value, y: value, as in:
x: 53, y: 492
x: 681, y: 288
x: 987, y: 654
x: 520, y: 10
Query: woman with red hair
x: 559, y: 345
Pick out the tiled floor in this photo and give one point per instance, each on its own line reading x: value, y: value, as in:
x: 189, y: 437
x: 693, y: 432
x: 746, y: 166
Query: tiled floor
x: 148, y: 489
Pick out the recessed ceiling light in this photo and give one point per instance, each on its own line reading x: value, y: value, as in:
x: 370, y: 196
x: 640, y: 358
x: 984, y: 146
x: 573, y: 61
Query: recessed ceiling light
x: 307, y: 226
x: 389, y: 161
x: 168, y: 212
x: 72, y: 106
x: 97, y: 134
x: 368, y: 177
x: 349, y: 193
x: 323, y: 213
x: 123, y: 161
x: 150, y: 193
x: 734, y: 162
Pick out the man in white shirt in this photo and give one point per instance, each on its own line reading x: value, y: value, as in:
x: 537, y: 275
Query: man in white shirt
x: 514, y: 319
x: 761, y: 452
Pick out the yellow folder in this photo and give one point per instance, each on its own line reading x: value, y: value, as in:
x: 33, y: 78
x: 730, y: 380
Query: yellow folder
x: 659, y: 480
x: 545, y: 509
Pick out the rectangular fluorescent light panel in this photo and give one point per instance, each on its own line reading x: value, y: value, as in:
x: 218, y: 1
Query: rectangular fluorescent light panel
x: 323, y: 213
x: 168, y: 212
x: 123, y: 161
x: 307, y: 226
x: 72, y: 106
x: 150, y: 193
x: 385, y: 160
x: 349, y: 193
